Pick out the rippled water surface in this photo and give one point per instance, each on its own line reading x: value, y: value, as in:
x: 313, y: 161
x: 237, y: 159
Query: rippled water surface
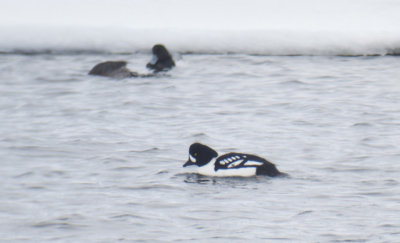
x: 92, y: 159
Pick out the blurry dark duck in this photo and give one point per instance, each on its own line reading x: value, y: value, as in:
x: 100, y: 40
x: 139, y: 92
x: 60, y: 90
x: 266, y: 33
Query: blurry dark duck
x: 162, y: 59
x: 114, y: 69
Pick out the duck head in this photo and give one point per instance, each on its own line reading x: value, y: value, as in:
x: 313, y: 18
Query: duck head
x: 200, y: 154
x: 162, y: 59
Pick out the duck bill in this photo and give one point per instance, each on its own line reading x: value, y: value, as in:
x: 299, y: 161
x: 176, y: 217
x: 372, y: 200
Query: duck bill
x: 187, y: 163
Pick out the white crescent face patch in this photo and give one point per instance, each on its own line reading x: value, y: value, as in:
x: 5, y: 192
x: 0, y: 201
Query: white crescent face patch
x: 154, y: 59
x: 191, y: 158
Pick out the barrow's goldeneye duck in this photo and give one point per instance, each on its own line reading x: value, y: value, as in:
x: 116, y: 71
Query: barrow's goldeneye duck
x: 162, y: 60
x: 231, y: 164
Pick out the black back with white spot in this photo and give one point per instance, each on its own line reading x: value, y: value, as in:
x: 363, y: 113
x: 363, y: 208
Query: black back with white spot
x: 238, y: 160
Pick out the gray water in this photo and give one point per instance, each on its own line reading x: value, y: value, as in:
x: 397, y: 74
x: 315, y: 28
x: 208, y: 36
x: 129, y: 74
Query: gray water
x: 93, y: 159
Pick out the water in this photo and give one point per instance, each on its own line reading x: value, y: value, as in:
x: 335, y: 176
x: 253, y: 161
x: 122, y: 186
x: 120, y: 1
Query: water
x: 93, y: 159
x: 310, y: 85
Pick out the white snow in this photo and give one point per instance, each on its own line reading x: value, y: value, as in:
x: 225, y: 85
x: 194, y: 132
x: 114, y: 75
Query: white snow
x: 273, y: 27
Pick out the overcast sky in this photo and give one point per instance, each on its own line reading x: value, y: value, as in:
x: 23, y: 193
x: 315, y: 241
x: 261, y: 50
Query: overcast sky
x: 205, y: 14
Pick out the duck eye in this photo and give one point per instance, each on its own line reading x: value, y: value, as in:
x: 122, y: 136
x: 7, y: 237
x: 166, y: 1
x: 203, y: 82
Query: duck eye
x: 195, y: 154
